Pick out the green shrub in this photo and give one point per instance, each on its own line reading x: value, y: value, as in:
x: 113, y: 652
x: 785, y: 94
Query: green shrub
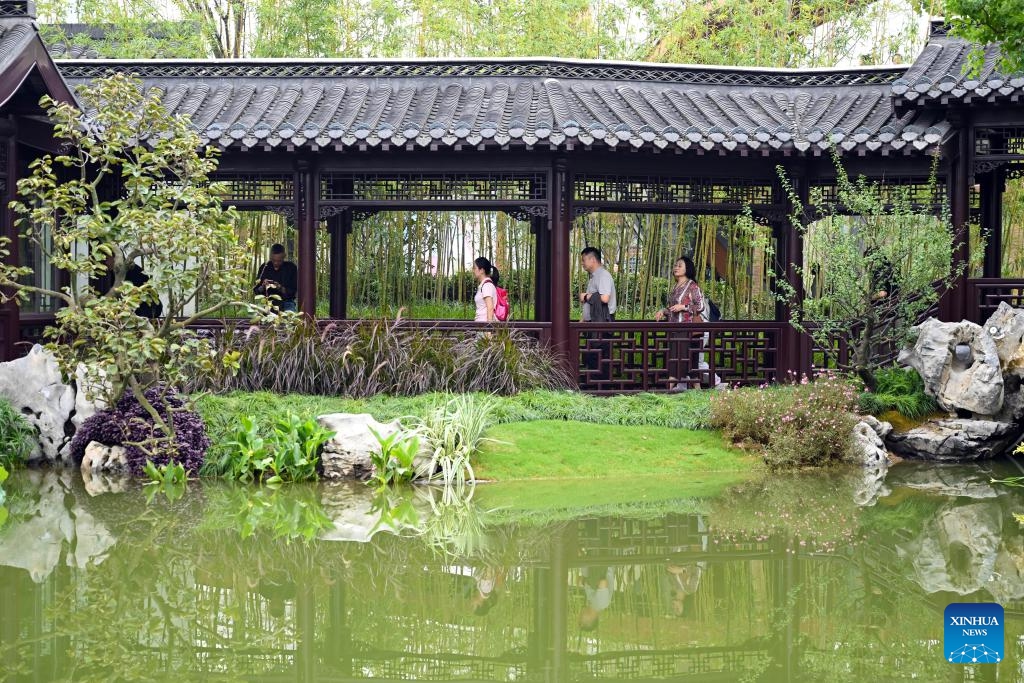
x: 17, y: 436
x: 290, y: 453
x: 799, y: 425
x: 901, y: 390
x: 369, y: 358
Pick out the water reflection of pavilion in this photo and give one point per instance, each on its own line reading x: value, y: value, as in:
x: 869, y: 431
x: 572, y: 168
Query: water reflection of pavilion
x: 760, y: 607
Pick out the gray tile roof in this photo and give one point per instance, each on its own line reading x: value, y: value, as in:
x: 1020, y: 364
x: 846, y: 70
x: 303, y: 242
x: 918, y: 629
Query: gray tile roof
x: 530, y: 102
x: 940, y: 75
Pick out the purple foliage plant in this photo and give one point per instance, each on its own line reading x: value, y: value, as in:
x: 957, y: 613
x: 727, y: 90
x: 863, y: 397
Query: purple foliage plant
x: 128, y: 424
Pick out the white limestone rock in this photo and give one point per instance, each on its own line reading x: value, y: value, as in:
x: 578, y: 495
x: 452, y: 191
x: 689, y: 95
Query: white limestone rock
x: 868, y: 448
x: 34, y: 387
x: 973, y: 383
x: 347, y: 454
x: 100, y: 458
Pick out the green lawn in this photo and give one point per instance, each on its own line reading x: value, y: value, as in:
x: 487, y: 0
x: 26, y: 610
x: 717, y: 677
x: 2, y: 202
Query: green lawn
x: 560, y: 449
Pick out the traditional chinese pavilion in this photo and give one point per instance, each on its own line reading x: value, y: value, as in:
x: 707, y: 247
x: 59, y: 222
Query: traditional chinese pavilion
x: 329, y: 142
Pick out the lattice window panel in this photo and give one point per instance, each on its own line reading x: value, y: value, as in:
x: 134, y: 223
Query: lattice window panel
x: 990, y: 296
x: 648, y: 665
x: 994, y: 141
x: 916, y: 191
x: 615, y: 537
x: 439, y: 668
x: 494, y: 69
x: 264, y: 188
x: 433, y: 187
x: 16, y: 8
x: 3, y: 156
x: 623, y: 361
x: 661, y: 190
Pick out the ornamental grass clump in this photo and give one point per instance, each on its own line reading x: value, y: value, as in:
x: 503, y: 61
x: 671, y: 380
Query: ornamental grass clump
x: 129, y: 424
x: 808, y: 424
x: 374, y: 357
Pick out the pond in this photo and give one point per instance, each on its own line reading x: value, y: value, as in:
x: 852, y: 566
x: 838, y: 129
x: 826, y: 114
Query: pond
x: 813, y: 577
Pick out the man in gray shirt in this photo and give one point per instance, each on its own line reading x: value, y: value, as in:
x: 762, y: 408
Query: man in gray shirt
x: 600, y: 284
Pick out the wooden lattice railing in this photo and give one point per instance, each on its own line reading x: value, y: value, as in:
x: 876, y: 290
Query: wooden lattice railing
x: 627, y: 357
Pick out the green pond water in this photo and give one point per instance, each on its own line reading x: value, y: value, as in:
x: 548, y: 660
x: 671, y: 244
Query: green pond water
x: 817, y: 577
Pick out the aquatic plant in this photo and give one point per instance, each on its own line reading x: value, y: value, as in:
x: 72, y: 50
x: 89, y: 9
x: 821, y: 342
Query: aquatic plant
x: 291, y: 452
x: 395, y: 462
x: 169, y: 479
x: 130, y: 425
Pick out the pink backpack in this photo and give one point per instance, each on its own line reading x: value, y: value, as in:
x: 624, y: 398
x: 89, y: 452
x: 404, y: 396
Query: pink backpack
x: 501, y: 308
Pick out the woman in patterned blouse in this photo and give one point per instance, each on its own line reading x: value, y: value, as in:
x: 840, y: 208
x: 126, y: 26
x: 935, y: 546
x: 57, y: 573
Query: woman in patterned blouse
x: 685, y: 302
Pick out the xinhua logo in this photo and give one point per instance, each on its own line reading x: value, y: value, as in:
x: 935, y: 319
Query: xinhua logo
x: 973, y: 633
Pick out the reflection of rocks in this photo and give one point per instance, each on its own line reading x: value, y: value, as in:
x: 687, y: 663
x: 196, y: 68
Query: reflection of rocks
x: 965, y: 549
x: 100, y: 458
x: 350, y: 511
x: 36, y: 543
x: 955, y: 482
x: 347, y: 454
x: 873, y: 486
x: 955, y: 440
x: 350, y: 507
x: 98, y: 483
x: 971, y: 381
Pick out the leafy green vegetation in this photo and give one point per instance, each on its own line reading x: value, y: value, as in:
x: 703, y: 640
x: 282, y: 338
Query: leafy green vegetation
x: 170, y: 478
x: 289, y: 452
x: 182, y: 228
x: 901, y: 390
x: 878, y: 275
x: 17, y: 436
x: 395, y: 462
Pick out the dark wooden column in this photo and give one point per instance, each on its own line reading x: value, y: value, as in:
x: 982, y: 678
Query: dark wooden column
x: 306, y: 219
x: 992, y: 186
x: 561, y: 223
x: 954, y: 305
x: 540, y: 227
x: 340, y: 229
x: 10, y: 333
x: 780, y: 266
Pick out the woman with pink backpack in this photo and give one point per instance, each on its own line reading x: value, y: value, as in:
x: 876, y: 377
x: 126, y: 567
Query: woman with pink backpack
x: 491, y: 300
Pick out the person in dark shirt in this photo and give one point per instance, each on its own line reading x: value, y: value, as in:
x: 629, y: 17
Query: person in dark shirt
x: 278, y: 278
x: 138, y: 277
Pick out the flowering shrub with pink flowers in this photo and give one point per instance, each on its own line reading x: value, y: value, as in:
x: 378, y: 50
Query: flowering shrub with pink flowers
x: 803, y: 424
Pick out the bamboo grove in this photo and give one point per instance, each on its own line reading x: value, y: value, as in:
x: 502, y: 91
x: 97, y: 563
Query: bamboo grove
x: 420, y: 262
